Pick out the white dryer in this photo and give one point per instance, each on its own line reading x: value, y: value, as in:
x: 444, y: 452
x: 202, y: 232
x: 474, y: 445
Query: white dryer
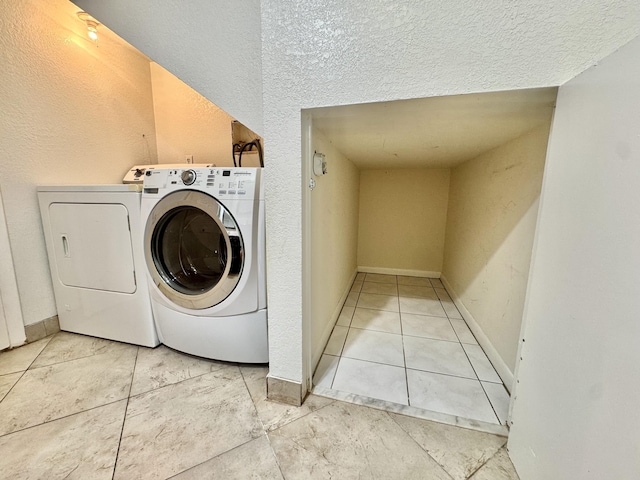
x: 94, y: 244
x: 204, y: 246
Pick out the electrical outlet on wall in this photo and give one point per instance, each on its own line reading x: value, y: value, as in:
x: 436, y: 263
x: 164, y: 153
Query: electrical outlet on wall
x: 188, y: 158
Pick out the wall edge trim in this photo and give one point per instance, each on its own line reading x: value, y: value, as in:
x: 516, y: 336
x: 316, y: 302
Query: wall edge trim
x: 285, y: 391
x: 42, y: 329
x: 10, y: 299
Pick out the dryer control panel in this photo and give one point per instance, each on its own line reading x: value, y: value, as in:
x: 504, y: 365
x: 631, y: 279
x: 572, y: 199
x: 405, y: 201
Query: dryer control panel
x: 135, y: 174
x: 237, y: 183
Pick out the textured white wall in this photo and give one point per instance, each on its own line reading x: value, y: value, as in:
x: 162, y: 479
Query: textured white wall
x: 334, y: 240
x: 70, y: 112
x: 493, y: 207
x: 575, y: 413
x: 320, y: 53
x: 403, y: 214
x: 187, y: 123
x: 211, y: 45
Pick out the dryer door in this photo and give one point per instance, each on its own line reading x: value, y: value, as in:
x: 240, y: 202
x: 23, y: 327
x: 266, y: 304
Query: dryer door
x: 194, y: 249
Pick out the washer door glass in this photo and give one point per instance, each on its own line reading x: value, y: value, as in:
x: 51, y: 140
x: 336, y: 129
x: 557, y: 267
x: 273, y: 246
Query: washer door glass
x: 194, y: 249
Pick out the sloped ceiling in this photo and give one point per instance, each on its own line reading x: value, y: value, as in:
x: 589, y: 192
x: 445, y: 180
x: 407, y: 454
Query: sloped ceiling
x: 214, y: 46
x: 434, y: 132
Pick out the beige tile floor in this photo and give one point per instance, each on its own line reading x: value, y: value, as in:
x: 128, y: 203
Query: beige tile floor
x: 402, y: 340
x: 78, y: 407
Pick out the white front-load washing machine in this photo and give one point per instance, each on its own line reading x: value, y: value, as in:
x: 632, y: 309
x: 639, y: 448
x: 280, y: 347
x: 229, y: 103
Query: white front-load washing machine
x: 204, y: 246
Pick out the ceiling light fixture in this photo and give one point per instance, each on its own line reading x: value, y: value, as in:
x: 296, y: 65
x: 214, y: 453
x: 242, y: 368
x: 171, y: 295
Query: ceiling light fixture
x: 92, y: 25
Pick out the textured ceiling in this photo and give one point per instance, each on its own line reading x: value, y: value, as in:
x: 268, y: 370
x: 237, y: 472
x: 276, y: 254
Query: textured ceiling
x: 435, y: 132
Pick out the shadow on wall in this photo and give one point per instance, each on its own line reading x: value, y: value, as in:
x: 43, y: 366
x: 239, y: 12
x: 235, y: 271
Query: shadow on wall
x: 334, y: 237
x: 493, y: 204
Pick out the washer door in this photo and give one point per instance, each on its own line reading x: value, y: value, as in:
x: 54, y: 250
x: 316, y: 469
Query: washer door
x: 194, y: 249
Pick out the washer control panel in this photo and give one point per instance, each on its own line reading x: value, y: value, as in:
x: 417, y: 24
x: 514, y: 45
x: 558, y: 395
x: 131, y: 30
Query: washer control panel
x: 236, y: 183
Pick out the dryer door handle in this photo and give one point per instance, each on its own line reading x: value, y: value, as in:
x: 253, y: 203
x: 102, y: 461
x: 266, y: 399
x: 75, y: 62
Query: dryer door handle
x: 65, y: 246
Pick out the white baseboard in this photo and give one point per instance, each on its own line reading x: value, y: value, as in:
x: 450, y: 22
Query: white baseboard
x: 331, y: 323
x: 399, y: 271
x: 494, y: 357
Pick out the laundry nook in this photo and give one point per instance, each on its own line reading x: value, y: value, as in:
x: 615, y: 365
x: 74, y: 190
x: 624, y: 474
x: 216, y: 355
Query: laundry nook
x: 308, y: 240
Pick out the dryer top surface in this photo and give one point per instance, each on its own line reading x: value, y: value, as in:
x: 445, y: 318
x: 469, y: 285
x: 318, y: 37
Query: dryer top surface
x: 106, y: 188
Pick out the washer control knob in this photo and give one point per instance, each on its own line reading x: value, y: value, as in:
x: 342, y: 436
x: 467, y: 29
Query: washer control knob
x: 188, y: 177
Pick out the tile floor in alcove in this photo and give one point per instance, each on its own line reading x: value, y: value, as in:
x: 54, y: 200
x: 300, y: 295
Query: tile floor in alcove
x: 73, y: 406
x: 402, y: 340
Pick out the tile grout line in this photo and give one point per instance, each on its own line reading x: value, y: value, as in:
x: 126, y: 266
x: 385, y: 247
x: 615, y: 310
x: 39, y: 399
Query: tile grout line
x: 399, y: 366
x: 406, y: 370
x: 418, y: 444
x: 22, y: 374
x: 465, y: 353
x: 275, y: 456
x: 61, y: 418
x: 332, y: 331
x: 176, y: 383
x: 344, y: 342
x: 461, y: 346
x: 124, y: 418
x: 255, y: 407
x: 402, y: 336
x: 333, y: 377
x: 73, y: 359
x: 472, y: 366
x: 43, y: 348
x: 263, y: 430
x: 404, y: 351
x: 471, y: 363
x: 345, y: 337
x: 443, y: 374
x: 485, y: 462
x: 490, y: 402
x: 411, y: 336
x: 231, y: 450
x: 377, y: 331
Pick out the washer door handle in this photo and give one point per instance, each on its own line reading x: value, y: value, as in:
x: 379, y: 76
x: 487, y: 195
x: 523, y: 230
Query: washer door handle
x: 236, y: 255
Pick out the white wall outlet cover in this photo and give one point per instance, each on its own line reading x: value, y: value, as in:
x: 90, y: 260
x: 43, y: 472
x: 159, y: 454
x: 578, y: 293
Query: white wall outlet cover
x: 319, y: 164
